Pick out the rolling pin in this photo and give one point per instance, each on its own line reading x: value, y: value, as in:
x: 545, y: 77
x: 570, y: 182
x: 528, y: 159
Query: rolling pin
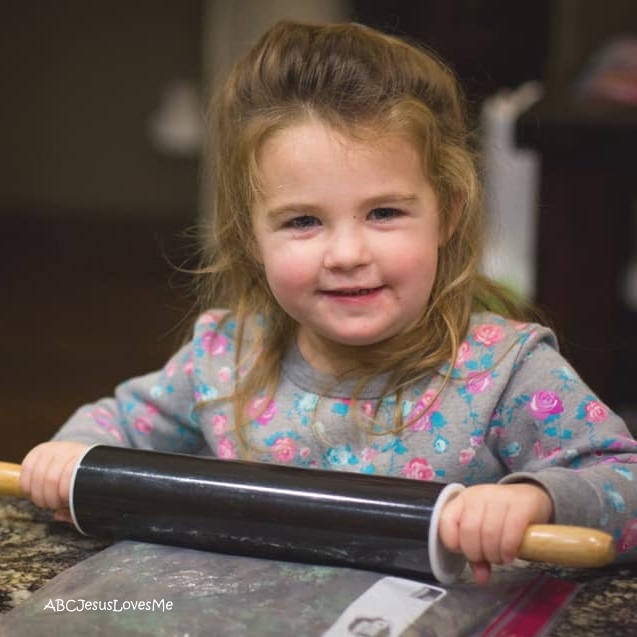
x: 378, y: 523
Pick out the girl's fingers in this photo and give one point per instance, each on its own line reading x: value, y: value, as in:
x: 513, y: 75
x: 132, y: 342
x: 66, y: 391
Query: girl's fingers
x: 47, y: 471
x: 481, y: 572
x: 39, y: 479
x: 63, y: 515
x: 449, y: 524
x: 471, y: 525
x: 512, y: 535
x: 64, y: 483
x: 492, y: 530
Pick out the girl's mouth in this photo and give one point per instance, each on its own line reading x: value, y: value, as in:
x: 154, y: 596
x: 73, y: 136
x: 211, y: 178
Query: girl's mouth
x: 354, y: 292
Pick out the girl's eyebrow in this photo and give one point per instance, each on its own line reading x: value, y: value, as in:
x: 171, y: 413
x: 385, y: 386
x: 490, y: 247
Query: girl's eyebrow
x: 372, y: 202
x: 390, y: 198
x: 292, y: 208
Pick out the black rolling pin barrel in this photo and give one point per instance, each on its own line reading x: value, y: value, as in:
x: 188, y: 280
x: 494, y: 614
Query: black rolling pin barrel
x: 327, y: 517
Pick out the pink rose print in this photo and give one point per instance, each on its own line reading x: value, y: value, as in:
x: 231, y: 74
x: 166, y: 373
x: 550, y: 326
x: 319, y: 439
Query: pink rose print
x: 143, y: 425
x: 425, y: 406
x: 628, y: 538
x: 476, y: 441
x: 189, y: 367
x: 595, y: 411
x: 368, y: 454
x: 215, y: 344
x: 219, y: 424
x: 257, y: 412
x: 211, y: 317
x: 305, y: 452
x: 496, y: 430
x: 418, y: 469
x: 542, y: 453
x: 367, y: 408
x: 115, y: 433
x: 225, y: 449
x: 479, y: 382
x: 464, y: 354
x: 544, y: 404
x: 170, y: 369
x: 284, y: 449
x: 151, y: 410
x: 224, y: 375
x: 103, y: 418
x: 466, y: 456
x: 488, y: 335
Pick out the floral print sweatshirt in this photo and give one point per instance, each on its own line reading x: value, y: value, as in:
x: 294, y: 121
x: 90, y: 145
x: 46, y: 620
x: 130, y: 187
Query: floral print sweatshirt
x: 514, y: 410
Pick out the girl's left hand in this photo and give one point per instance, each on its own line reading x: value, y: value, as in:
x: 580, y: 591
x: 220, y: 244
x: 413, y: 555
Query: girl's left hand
x: 487, y: 522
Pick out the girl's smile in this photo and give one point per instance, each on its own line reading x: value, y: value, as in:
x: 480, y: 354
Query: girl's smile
x: 348, y: 234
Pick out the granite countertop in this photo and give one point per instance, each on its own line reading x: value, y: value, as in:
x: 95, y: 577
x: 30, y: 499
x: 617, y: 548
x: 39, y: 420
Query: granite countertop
x: 34, y: 549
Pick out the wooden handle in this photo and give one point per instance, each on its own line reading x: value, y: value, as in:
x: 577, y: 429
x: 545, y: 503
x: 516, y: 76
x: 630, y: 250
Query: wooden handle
x: 567, y: 545
x: 10, y: 479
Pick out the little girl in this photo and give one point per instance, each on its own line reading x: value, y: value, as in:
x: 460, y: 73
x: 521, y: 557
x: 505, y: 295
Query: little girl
x: 357, y: 333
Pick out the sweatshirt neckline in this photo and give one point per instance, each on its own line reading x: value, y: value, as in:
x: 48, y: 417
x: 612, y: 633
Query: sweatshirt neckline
x: 309, y: 379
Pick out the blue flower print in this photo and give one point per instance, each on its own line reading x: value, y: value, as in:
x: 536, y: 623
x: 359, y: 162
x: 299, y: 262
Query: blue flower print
x: 624, y: 472
x: 303, y: 406
x: 206, y: 392
x: 305, y: 402
x: 614, y: 498
x: 512, y: 450
x: 156, y: 391
x: 340, y: 456
x: 341, y: 408
x: 396, y: 445
x: 440, y: 444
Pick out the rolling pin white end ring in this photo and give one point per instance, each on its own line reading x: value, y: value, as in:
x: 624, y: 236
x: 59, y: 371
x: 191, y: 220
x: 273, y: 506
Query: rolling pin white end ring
x: 72, y: 491
x: 445, y: 565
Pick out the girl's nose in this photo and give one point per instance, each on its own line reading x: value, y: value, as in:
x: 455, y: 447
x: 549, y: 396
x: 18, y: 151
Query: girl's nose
x: 346, y: 249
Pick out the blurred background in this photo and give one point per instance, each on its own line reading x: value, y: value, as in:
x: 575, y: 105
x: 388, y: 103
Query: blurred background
x: 102, y: 131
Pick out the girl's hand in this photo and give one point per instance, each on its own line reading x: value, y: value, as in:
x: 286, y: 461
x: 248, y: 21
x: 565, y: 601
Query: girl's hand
x: 487, y: 522
x: 46, y: 475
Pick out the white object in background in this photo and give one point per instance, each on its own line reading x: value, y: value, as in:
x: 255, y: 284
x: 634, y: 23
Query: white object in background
x: 511, y: 180
x: 629, y: 283
x: 176, y: 127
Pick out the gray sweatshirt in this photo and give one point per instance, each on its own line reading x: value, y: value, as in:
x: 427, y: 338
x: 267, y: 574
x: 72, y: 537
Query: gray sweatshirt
x: 514, y: 410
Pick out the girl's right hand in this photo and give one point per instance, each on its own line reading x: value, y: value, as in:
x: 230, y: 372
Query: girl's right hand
x: 46, y: 474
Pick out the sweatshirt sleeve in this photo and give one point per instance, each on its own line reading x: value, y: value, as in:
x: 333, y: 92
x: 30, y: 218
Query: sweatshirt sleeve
x: 157, y: 411
x: 550, y: 428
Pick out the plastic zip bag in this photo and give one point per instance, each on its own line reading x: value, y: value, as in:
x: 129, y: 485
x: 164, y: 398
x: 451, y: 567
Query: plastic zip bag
x: 134, y: 589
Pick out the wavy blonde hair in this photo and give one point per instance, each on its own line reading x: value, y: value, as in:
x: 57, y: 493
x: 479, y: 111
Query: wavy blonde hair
x: 364, y: 84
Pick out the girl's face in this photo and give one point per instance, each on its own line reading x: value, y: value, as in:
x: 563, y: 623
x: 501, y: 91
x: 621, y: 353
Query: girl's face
x: 348, y: 234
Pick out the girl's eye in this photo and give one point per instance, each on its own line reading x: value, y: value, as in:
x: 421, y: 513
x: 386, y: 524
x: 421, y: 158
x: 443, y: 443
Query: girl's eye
x: 302, y: 223
x: 383, y: 214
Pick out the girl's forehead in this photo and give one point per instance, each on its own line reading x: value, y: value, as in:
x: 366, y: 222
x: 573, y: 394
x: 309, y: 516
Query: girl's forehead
x: 315, y: 164
x: 300, y: 136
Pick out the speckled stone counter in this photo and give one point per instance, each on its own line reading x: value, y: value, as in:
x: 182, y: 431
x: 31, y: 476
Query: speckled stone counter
x: 34, y: 548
